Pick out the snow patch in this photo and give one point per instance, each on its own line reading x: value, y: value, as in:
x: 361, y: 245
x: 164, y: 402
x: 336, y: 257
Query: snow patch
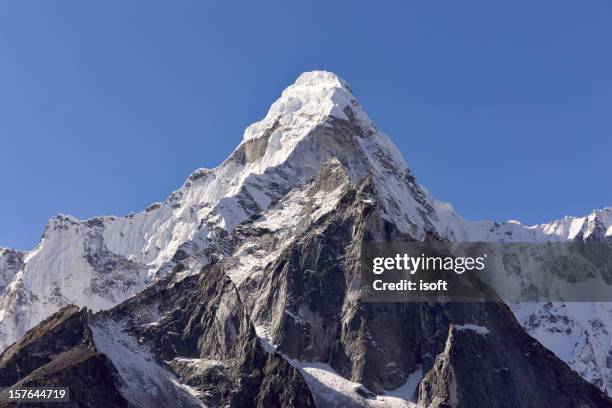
x: 146, y: 383
x: 472, y: 327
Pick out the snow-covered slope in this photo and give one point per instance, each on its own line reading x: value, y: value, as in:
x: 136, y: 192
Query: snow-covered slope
x: 595, y: 226
x: 146, y: 383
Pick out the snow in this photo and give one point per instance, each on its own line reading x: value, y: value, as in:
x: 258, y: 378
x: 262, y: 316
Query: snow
x: 196, y: 366
x: 579, y: 333
x: 145, y: 383
x: 58, y: 273
x: 313, y: 97
x: 472, y: 327
x: 263, y: 333
x: 331, y: 389
x: 299, y: 209
x: 408, y: 391
x: 572, y: 227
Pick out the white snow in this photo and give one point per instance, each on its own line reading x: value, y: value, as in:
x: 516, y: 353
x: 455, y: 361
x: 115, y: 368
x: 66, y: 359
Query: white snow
x: 276, y: 154
x: 146, y: 383
x: 579, y: 333
x: 472, y: 327
x: 313, y: 97
x: 409, y: 390
x: 331, y: 389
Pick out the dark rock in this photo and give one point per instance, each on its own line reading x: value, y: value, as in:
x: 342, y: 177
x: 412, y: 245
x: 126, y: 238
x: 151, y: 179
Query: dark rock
x: 57, y: 334
x: 497, y: 370
x: 60, y: 352
x: 90, y: 376
x: 204, y: 318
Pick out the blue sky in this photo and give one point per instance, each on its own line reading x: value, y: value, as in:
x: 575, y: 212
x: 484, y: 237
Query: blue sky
x: 501, y: 108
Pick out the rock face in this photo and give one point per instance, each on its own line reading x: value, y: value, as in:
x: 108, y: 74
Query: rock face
x: 60, y: 352
x: 200, y: 327
x: 11, y: 262
x: 455, y: 379
x: 243, y: 287
x: 202, y: 351
x: 308, y: 303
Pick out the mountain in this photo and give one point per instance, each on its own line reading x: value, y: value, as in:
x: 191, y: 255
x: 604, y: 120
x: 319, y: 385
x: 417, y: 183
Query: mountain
x: 242, y: 288
x: 100, y: 262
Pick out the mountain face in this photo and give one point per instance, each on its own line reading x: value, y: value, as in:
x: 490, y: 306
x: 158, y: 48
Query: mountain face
x: 61, y: 349
x: 100, y: 262
x: 11, y: 262
x: 242, y: 288
x: 577, y: 332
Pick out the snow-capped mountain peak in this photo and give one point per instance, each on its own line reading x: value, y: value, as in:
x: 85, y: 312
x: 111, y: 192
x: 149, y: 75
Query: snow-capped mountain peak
x: 598, y: 224
x: 101, y: 261
x: 314, y: 96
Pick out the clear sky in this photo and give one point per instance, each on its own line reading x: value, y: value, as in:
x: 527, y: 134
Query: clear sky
x: 503, y: 108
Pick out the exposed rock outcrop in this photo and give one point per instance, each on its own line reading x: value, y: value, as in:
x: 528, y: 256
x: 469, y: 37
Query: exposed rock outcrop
x: 484, y: 368
x: 60, y: 352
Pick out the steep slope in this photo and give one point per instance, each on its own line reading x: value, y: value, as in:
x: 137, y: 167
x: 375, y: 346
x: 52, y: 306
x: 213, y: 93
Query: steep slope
x: 596, y: 226
x: 198, y: 325
x: 514, y: 380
